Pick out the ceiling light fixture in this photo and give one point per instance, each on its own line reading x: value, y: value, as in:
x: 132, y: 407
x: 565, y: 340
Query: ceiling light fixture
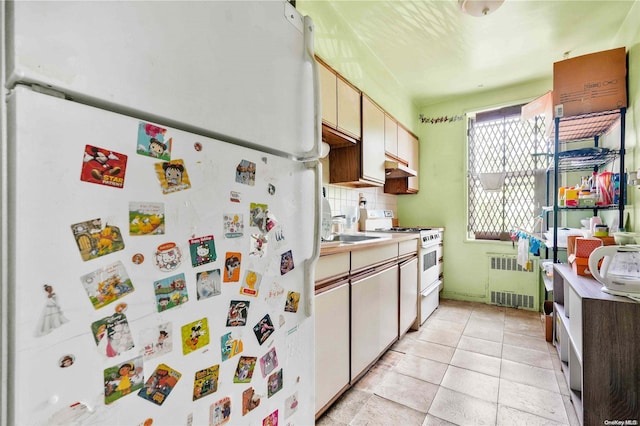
x: 479, y: 7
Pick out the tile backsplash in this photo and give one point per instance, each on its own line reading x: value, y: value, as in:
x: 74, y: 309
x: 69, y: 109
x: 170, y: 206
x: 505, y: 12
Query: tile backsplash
x: 340, y: 196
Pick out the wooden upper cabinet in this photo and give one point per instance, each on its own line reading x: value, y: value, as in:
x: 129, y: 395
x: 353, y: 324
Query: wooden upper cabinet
x: 329, y: 96
x: 409, y: 152
x: 390, y: 135
x: 340, y: 102
x: 348, y: 109
x: 372, y: 140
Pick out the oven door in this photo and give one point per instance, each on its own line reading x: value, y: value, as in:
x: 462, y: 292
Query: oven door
x: 430, y: 265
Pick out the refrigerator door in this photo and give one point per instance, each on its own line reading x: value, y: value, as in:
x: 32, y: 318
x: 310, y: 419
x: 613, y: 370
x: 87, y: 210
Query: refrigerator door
x: 240, y: 71
x: 79, y: 225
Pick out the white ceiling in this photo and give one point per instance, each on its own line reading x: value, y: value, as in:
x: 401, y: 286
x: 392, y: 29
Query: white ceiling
x: 436, y: 52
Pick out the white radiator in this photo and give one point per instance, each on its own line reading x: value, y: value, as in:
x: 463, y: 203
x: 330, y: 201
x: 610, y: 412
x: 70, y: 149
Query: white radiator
x: 510, y: 284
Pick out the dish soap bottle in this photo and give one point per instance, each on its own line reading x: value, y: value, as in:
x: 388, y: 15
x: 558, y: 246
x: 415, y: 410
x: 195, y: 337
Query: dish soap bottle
x: 325, y: 230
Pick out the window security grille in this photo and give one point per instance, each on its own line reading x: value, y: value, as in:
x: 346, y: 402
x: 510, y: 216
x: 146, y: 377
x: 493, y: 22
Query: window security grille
x: 499, y: 141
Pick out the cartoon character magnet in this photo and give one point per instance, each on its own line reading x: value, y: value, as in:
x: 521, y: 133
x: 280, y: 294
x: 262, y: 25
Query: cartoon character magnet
x: 220, y: 412
x: 103, y: 167
x: 94, y: 241
x: 230, y: 346
x: 286, y: 262
x: 244, y: 370
x: 158, y: 387
x: 146, y: 218
x: 263, y: 329
x: 291, y: 305
x: 268, y: 362
x: 171, y: 292
x: 258, y: 215
x: 274, y: 384
x: 205, y: 382
x: 233, y: 225
x: 112, y: 335
x: 173, y: 176
x: 291, y: 405
x: 249, y: 400
x: 51, y: 316
x: 122, y: 379
x: 238, y: 312
x: 203, y: 250
x: 259, y: 244
x: 251, y: 283
x: 168, y: 257
x: 157, y: 341
x: 271, y: 419
x: 195, y: 335
x: 106, y: 285
x: 232, y: 261
x: 153, y: 141
x: 246, y: 173
x: 208, y: 284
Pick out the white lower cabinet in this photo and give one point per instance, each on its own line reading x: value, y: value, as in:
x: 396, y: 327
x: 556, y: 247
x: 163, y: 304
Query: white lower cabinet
x: 374, y: 315
x: 332, y: 342
x: 408, y: 294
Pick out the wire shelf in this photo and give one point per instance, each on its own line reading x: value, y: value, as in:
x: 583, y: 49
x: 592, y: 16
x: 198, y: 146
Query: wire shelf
x: 586, y: 126
x: 585, y: 159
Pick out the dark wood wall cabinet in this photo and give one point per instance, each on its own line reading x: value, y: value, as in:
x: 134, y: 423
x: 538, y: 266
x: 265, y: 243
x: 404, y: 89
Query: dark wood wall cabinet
x: 598, y: 339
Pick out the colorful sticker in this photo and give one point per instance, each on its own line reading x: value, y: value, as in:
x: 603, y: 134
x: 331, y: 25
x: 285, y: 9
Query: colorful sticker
x: 291, y: 305
x: 233, y: 225
x: 156, y: 341
x: 170, y: 292
x: 263, y: 329
x: 195, y: 335
x: 251, y: 283
x: 235, y: 196
x: 76, y: 413
x: 268, y: 362
x: 66, y: 361
x: 205, y: 382
x: 104, y: 167
x: 258, y: 245
x: 249, y: 401
x: 246, y: 173
x: 122, y: 379
x: 238, y: 312
x: 258, y: 215
x: 146, y: 218
x: 271, y: 419
x: 220, y: 412
x: 208, y: 284
x: 152, y: 141
x: 230, y: 346
x: 203, y: 250
x: 52, y: 316
x: 232, y: 263
x: 106, y: 285
x: 158, y: 387
x: 244, y: 370
x: 286, y: 262
x: 173, y: 176
x: 291, y: 405
x: 270, y: 221
x: 271, y: 189
x: 168, y: 257
x: 112, y: 335
x: 274, y: 384
x: 94, y: 241
x: 137, y: 259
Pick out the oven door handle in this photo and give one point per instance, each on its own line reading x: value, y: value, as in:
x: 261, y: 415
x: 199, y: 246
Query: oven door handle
x: 430, y: 288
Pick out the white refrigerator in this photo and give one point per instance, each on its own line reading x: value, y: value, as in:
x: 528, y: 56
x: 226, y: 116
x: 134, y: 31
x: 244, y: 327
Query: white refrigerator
x: 160, y: 190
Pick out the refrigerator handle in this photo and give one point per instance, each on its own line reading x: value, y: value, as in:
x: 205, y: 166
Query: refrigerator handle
x: 316, y: 151
x: 310, y: 267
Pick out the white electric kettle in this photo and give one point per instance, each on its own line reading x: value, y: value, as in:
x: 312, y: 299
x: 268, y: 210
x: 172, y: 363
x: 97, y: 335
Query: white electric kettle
x: 620, y: 269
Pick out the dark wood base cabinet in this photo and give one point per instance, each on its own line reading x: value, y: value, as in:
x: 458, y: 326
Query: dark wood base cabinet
x: 598, y: 339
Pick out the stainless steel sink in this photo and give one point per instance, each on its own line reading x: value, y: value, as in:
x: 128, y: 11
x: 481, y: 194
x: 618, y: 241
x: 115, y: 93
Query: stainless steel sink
x: 351, y: 238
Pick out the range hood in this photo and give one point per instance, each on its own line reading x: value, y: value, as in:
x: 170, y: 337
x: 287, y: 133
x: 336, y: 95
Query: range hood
x: 396, y: 170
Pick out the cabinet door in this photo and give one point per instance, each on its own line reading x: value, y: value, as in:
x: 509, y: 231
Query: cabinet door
x: 372, y: 141
x: 408, y: 294
x: 414, y: 163
x: 331, y: 343
x: 408, y: 150
x: 390, y: 135
x: 388, y: 305
x: 328, y: 96
x: 348, y: 108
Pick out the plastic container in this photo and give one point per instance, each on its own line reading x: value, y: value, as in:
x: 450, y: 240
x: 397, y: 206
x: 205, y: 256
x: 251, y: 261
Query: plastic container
x: 325, y: 229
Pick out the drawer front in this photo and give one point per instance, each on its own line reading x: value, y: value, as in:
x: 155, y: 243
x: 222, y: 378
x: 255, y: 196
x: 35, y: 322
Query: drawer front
x: 361, y: 259
x: 332, y: 265
x: 407, y: 247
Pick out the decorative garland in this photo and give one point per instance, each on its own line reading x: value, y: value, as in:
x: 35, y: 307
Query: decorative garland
x: 442, y: 119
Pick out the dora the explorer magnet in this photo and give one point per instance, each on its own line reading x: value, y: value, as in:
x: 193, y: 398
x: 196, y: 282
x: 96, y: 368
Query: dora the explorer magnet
x: 122, y: 379
x: 103, y: 167
x: 94, y: 241
x: 153, y: 141
x: 195, y: 335
x: 203, y: 250
x: 173, y: 176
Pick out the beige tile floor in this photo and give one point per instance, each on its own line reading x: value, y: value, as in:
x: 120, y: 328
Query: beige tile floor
x: 469, y: 364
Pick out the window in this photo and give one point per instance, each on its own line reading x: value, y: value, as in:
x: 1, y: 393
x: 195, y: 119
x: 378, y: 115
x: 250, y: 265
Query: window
x: 503, y: 148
